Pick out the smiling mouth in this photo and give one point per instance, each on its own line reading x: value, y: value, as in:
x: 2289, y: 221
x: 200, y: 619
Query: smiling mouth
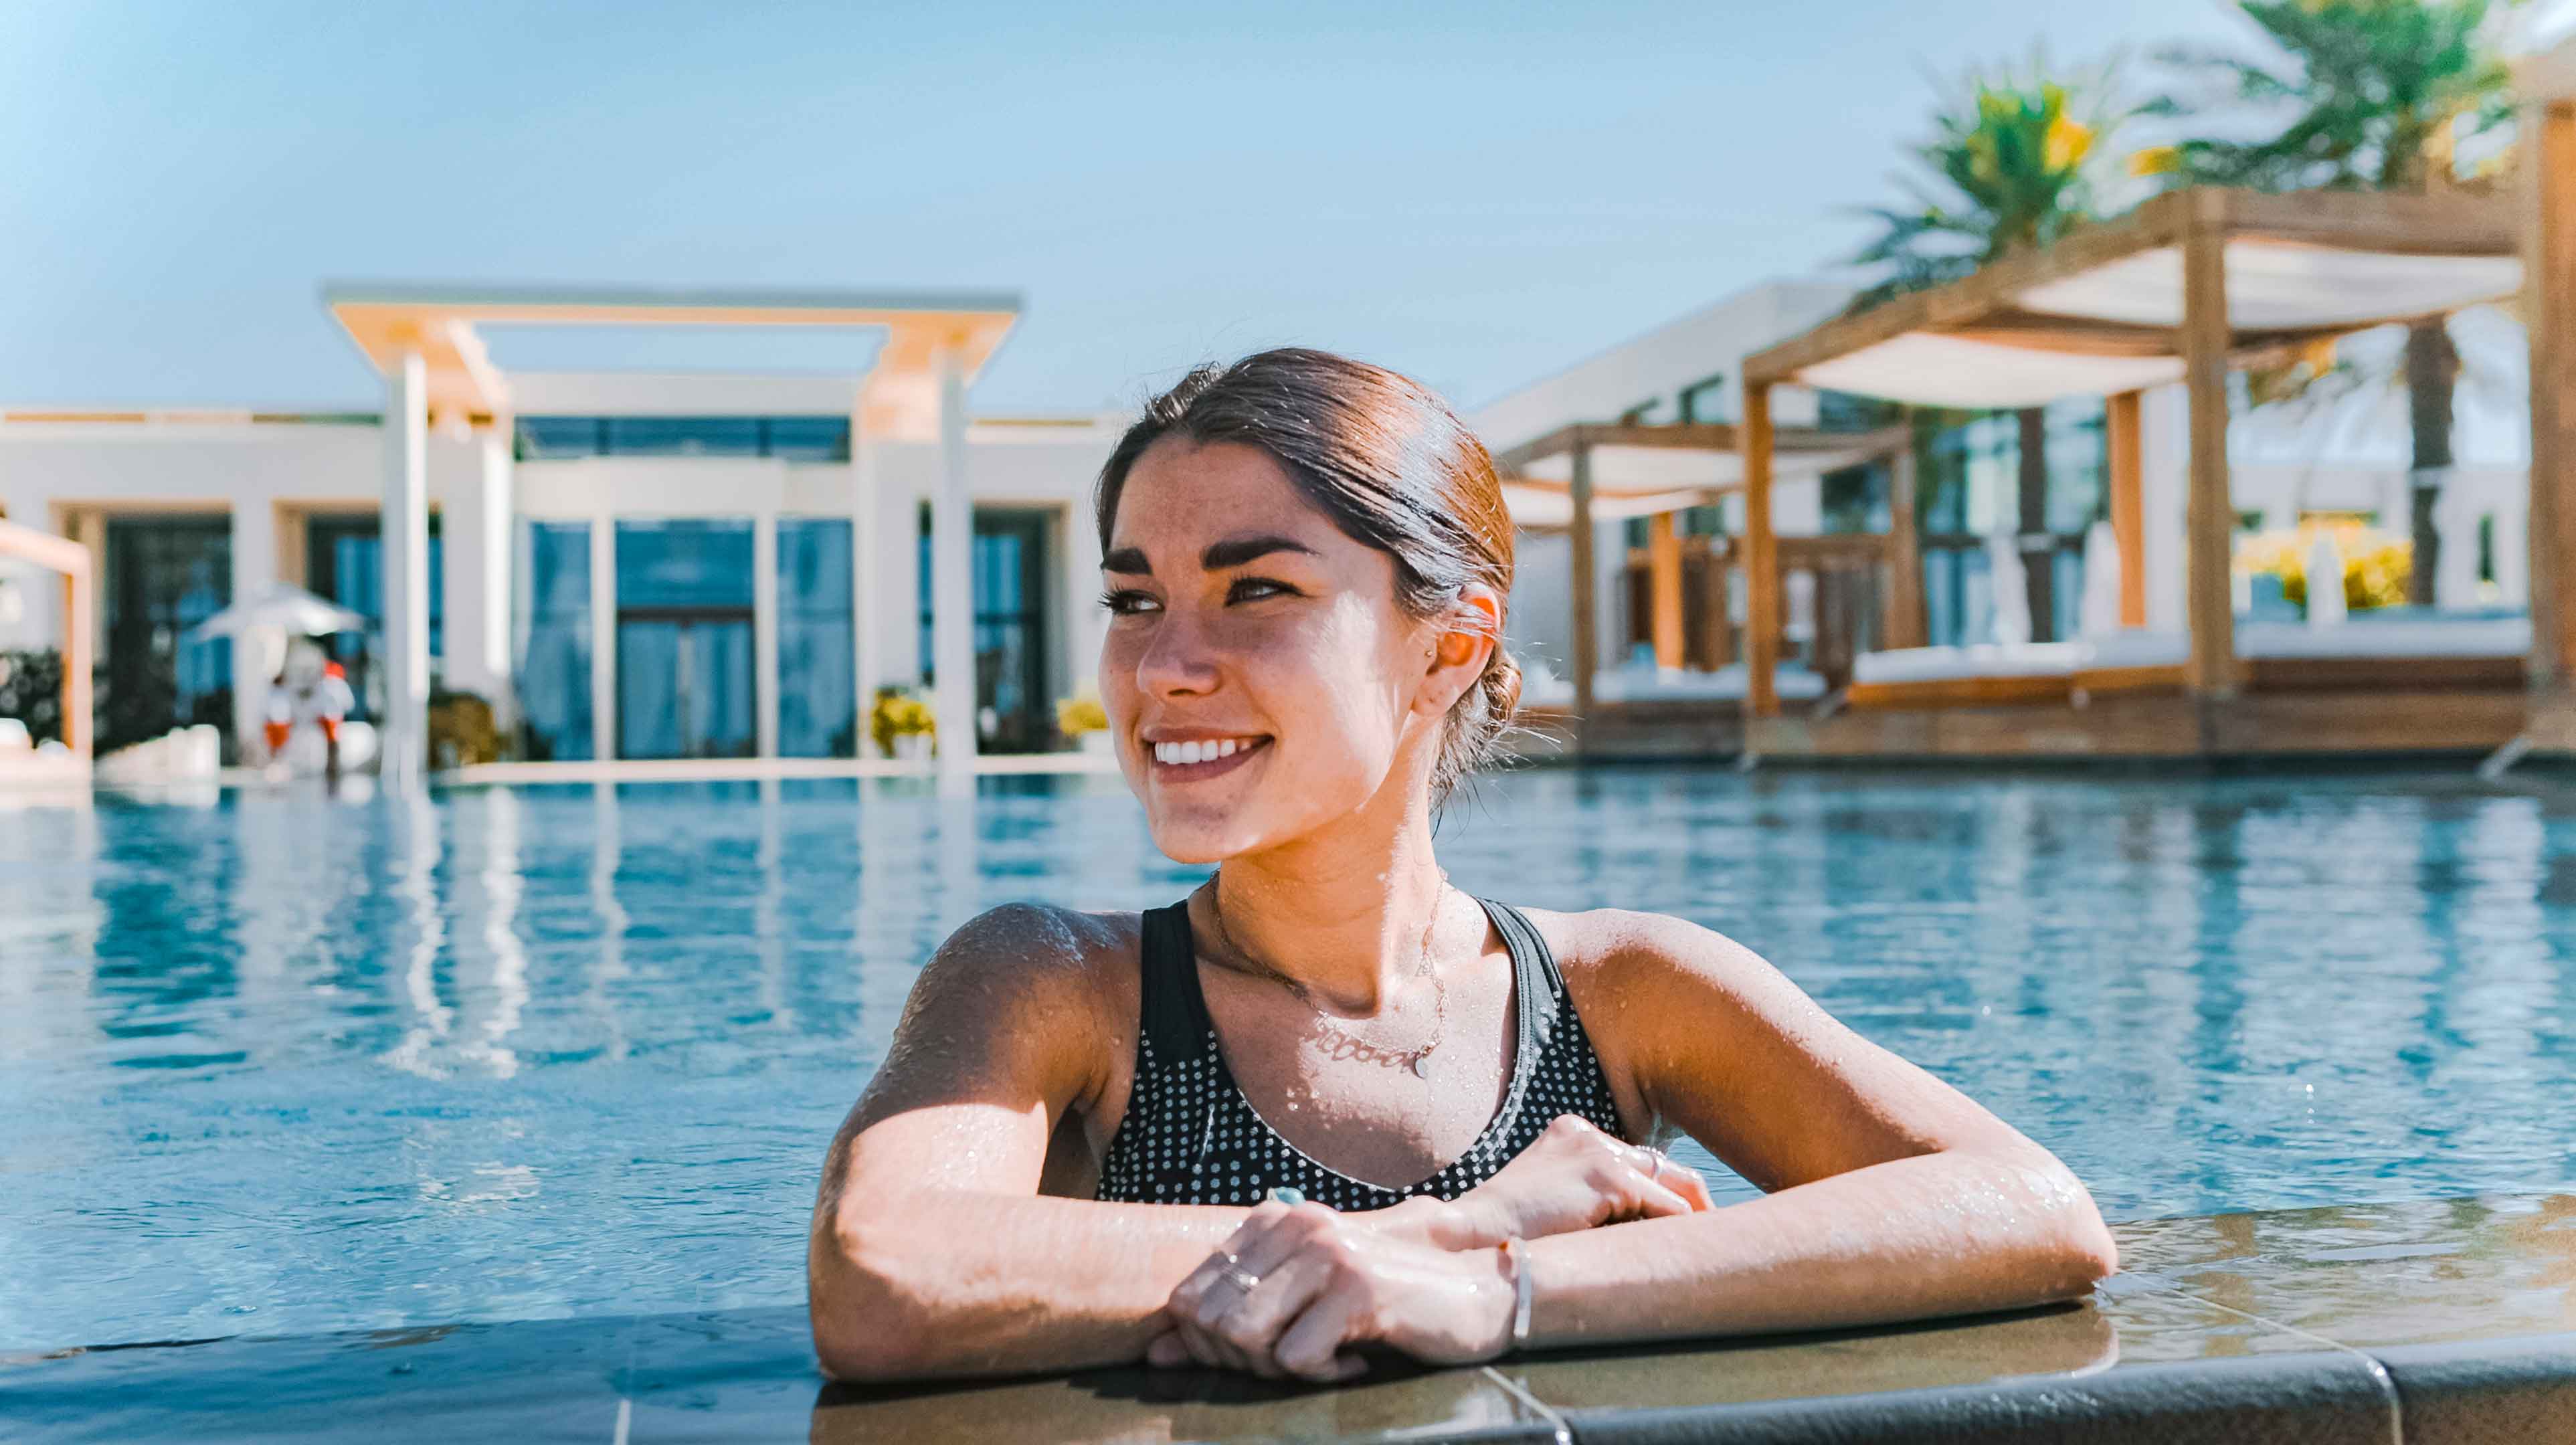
x: 1191, y: 761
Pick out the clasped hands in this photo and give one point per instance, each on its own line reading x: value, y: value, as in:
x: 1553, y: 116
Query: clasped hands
x: 1296, y: 1288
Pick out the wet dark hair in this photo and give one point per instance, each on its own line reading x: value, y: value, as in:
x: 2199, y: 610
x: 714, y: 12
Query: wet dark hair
x: 1392, y: 466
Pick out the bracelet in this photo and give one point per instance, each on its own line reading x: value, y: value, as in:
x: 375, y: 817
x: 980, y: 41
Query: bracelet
x: 1516, y: 1254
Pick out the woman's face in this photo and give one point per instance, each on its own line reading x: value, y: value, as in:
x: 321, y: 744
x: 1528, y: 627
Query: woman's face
x: 1257, y: 673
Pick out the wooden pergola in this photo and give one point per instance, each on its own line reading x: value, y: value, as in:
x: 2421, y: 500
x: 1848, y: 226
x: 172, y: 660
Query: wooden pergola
x: 2187, y: 287
x: 70, y: 560
x: 1702, y: 463
x: 2547, y: 82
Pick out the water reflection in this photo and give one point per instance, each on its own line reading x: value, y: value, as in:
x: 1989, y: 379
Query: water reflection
x: 576, y: 1049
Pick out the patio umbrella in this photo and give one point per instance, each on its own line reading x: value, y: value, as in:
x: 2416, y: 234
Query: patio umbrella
x: 284, y: 608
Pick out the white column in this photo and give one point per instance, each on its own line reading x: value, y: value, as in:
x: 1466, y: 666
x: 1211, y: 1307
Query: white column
x: 952, y: 595
x: 868, y: 665
x: 1084, y: 618
x: 256, y: 655
x: 475, y: 513
x: 764, y: 631
x: 895, y: 590
x: 603, y: 632
x: 404, y: 728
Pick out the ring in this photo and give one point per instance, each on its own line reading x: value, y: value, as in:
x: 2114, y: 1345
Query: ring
x: 1660, y: 1158
x: 1243, y: 1280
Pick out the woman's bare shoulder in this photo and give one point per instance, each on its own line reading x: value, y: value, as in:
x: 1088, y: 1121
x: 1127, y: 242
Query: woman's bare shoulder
x: 1630, y: 948
x: 1039, y: 954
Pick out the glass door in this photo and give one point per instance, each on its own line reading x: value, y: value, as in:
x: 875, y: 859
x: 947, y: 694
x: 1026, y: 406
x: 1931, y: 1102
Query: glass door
x: 684, y: 686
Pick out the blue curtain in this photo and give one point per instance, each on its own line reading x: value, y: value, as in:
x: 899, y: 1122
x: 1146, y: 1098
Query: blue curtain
x: 550, y: 640
x: 818, y: 708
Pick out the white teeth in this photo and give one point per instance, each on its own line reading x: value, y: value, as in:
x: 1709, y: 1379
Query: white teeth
x: 1183, y: 754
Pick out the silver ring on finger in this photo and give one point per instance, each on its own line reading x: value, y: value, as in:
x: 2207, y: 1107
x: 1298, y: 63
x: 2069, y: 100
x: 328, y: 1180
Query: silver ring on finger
x: 1243, y: 1280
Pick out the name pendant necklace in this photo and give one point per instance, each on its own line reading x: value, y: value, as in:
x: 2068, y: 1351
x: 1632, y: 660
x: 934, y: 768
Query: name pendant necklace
x: 1345, y: 1043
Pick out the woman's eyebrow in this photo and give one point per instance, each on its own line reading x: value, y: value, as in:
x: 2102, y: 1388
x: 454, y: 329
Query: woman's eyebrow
x: 1235, y: 551
x: 1232, y: 552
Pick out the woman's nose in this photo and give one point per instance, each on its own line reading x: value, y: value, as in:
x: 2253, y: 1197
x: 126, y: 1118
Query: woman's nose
x: 1178, y: 660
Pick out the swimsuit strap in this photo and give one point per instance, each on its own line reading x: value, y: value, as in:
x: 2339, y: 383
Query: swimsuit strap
x: 1173, y: 1010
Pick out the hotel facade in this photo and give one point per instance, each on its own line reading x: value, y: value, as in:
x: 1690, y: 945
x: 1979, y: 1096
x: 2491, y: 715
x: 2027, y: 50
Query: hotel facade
x: 624, y: 565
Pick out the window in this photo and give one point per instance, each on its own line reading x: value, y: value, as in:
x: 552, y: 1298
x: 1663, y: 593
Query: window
x: 1009, y: 572
x: 818, y: 702
x: 1702, y: 400
x: 344, y: 560
x: 164, y: 576
x: 789, y: 438
x: 685, y: 682
x: 550, y: 640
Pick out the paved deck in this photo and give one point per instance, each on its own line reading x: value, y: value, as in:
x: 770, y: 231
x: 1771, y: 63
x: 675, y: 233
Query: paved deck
x: 2435, y: 1321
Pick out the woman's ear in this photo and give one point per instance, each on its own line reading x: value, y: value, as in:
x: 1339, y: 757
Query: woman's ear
x: 1465, y: 638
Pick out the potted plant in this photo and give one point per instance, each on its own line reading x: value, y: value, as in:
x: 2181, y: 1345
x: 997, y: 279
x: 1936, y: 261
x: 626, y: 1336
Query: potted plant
x: 1084, y: 720
x: 901, y: 723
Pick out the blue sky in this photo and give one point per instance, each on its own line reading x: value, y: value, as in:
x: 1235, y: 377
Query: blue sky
x: 1477, y: 194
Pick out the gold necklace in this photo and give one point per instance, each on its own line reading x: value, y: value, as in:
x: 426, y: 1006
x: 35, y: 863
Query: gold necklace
x: 1347, y: 1045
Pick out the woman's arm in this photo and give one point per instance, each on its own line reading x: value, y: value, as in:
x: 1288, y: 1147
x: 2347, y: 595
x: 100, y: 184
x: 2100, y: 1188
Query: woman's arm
x: 1895, y: 1196
x: 931, y: 1251
x: 1891, y: 1194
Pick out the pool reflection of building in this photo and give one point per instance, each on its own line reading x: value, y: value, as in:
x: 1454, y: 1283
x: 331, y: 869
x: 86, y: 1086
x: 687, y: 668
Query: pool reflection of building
x: 625, y: 564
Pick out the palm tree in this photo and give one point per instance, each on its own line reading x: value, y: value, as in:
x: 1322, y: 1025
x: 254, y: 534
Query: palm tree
x: 2373, y: 96
x: 2009, y: 165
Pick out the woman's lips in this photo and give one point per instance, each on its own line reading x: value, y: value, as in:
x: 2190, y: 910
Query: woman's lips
x: 1204, y: 759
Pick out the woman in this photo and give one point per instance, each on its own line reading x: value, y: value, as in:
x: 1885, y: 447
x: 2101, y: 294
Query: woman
x: 1328, y: 1101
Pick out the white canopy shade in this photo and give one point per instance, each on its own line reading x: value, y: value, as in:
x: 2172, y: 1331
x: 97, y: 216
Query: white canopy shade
x: 1928, y: 369
x: 2100, y: 312
x: 2275, y: 286
x: 1644, y: 481
x: 286, y: 608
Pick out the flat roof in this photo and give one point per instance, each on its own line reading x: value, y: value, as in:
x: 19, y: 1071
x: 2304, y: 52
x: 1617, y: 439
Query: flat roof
x: 899, y: 397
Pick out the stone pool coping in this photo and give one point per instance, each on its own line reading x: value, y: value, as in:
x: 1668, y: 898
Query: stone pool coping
x: 2425, y: 1321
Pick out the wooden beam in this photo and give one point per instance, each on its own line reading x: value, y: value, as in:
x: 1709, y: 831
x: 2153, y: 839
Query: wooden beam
x: 1587, y: 640
x: 1664, y: 588
x: 1901, y: 624
x: 1688, y: 437
x: 2549, y: 280
x: 1762, y: 559
x: 2127, y: 447
x: 2210, y: 522
x: 1717, y: 609
x: 2396, y: 222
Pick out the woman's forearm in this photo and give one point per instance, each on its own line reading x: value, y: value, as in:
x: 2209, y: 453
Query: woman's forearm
x: 957, y: 1282
x: 1947, y: 1233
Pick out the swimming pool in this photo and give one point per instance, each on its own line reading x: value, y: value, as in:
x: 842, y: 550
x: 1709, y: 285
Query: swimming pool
x: 281, y: 1065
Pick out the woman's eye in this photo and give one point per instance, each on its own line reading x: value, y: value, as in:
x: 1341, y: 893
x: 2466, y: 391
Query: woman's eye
x: 1125, y: 601
x: 1253, y: 589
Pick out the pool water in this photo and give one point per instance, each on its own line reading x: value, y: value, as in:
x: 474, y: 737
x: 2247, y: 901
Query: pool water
x: 283, y: 1064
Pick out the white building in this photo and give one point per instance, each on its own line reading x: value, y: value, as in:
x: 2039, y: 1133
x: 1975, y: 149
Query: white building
x: 623, y: 564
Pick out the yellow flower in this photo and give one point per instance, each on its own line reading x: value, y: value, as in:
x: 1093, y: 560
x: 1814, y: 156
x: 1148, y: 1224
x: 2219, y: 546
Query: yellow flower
x: 1075, y: 716
x: 2156, y: 161
x: 2068, y: 143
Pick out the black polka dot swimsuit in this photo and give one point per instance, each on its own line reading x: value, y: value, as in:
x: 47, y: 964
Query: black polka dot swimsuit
x: 1190, y: 1137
